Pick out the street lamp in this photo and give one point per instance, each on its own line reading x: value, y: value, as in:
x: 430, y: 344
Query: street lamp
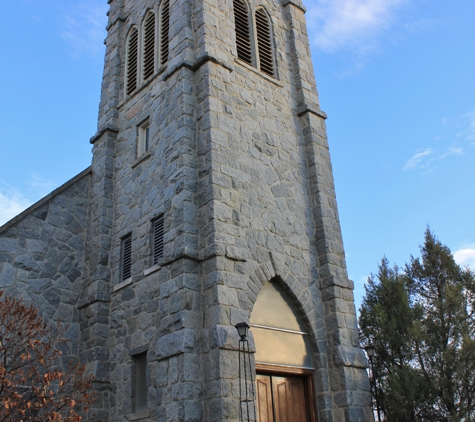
x: 243, y: 330
x: 370, y: 351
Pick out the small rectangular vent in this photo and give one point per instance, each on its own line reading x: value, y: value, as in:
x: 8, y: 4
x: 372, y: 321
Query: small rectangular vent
x: 266, y: 60
x: 132, y: 60
x: 126, y: 257
x: 149, y: 47
x: 157, y: 240
x: 164, y: 30
x: 243, y: 38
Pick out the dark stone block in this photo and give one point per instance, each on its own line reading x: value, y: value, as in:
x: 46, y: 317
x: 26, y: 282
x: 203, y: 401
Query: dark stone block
x: 39, y: 285
x: 52, y: 297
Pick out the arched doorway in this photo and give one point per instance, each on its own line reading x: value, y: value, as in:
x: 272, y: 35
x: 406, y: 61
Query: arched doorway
x: 284, y: 362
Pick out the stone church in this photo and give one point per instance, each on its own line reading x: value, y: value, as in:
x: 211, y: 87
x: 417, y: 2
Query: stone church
x: 209, y: 202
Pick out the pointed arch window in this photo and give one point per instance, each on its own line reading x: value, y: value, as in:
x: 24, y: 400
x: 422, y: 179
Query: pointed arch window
x: 149, y: 46
x: 278, y: 331
x: 132, y: 54
x: 243, y: 34
x: 264, y: 43
x: 164, y: 31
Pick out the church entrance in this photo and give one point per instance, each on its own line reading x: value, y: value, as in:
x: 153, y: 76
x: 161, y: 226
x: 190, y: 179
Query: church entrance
x: 284, y: 362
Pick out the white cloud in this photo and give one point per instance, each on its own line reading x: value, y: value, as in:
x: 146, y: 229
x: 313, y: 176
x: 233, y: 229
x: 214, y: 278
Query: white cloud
x: 466, y: 256
x: 459, y: 134
x: 41, y: 186
x: 12, y: 203
x: 336, y: 24
x: 84, y: 27
x: 423, y: 24
x: 468, y: 125
x: 418, y: 158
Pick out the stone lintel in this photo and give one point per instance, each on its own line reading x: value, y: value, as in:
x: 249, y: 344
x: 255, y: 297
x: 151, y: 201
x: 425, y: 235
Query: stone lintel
x: 139, y: 349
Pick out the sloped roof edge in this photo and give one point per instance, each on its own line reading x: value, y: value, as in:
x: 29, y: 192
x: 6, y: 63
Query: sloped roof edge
x: 45, y: 199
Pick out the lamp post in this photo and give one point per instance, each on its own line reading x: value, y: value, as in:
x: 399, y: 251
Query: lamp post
x: 370, y: 351
x: 243, y: 330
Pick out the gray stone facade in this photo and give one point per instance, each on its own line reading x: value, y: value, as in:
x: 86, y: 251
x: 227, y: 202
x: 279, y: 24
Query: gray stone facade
x: 239, y: 168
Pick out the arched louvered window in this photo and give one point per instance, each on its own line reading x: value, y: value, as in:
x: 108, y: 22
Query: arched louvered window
x: 149, y: 46
x: 164, y: 29
x: 264, y: 43
x: 131, y: 78
x: 243, y: 36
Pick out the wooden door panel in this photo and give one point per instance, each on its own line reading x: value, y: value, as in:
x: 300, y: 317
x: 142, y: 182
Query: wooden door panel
x: 289, y: 399
x: 264, y: 398
x: 284, y: 399
x: 281, y: 399
x: 297, y: 400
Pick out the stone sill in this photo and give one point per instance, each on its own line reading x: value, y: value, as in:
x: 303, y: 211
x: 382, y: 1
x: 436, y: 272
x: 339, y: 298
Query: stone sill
x: 139, y: 415
x: 125, y: 283
x: 258, y: 72
x: 151, y: 270
x: 143, y: 157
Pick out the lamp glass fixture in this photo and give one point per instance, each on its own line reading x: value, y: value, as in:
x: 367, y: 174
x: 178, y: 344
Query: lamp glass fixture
x: 242, y: 329
x: 370, y: 349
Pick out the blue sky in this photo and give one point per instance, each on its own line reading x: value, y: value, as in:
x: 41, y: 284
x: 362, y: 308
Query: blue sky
x: 396, y: 77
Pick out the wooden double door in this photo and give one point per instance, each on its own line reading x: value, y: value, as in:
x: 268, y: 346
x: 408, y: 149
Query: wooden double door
x: 284, y: 399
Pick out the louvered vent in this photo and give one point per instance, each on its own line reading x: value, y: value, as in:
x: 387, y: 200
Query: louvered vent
x: 266, y: 61
x: 149, y: 47
x: 132, y: 60
x: 164, y: 29
x: 157, y: 240
x: 243, y: 38
x: 126, y: 256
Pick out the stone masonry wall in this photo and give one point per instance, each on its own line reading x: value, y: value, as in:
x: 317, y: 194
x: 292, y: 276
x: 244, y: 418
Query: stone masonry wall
x: 42, y: 257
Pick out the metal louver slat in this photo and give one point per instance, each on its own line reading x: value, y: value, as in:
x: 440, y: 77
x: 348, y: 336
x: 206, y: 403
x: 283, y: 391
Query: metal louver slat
x: 126, y: 257
x: 165, y: 28
x: 157, y: 239
x: 266, y: 59
x: 132, y: 64
x: 149, y: 46
x: 243, y: 38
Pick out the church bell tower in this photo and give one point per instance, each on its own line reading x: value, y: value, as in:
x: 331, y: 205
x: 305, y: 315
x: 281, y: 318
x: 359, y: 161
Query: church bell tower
x: 212, y: 203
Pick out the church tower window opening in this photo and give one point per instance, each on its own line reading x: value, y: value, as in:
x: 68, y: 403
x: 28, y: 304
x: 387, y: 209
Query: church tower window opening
x: 126, y: 257
x: 265, y: 54
x: 140, y: 392
x: 157, y: 249
x: 243, y: 35
x: 143, y: 144
x: 132, y: 55
x: 149, y: 46
x: 164, y: 31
